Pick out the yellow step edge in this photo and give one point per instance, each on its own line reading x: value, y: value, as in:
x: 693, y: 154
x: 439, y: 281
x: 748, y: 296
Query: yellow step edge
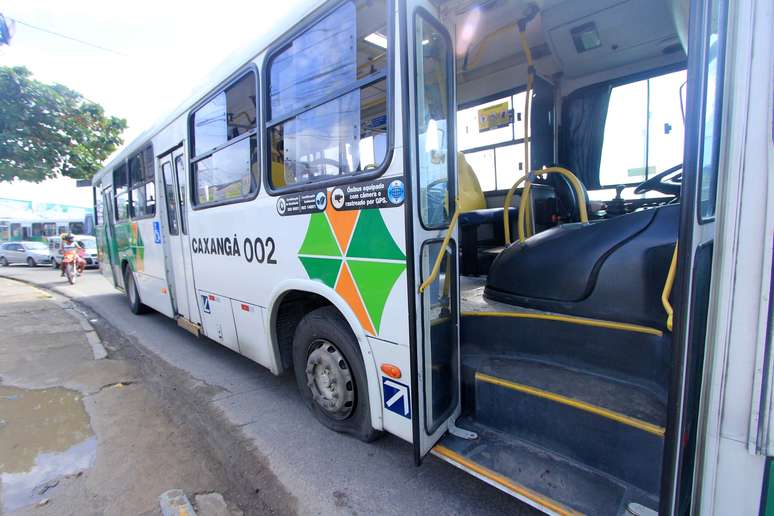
x: 502, y: 480
x: 581, y: 405
x: 585, y: 321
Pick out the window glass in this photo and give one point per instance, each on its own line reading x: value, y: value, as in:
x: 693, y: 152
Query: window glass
x: 434, y: 163
x: 16, y: 231
x: 712, y: 111
x: 485, y: 124
x: 143, y: 198
x: 49, y: 229
x: 121, y: 192
x: 509, y: 165
x: 169, y: 197
x: 231, y: 113
x: 644, y: 130
x: 181, y: 195
x: 99, y: 208
x: 483, y: 164
x: 229, y: 173
x: 37, y: 229
x: 76, y: 228
x: 317, y: 63
x: 343, y: 136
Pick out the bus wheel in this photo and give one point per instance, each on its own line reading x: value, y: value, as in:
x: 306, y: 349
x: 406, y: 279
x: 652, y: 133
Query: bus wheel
x: 132, y: 293
x: 330, y: 373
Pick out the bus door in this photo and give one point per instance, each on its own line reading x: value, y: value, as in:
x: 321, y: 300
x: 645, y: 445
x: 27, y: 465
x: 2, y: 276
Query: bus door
x: 110, y: 238
x: 177, y: 247
x: 429, y: 78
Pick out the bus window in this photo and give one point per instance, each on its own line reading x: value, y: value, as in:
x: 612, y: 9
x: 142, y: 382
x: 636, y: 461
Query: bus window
x: 49, y: 229
x: 643, y: 130
x: 433, y: 97
x: 76, y: 228
x: 37, y: 229
x: 345, y: 135
x: 143, y: 188
x: 61, y: 229
x: 16, y: 231
x: 121, y: 189
x: 225, y: 165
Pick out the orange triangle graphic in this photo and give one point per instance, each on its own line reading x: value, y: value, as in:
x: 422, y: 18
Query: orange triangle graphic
x: 346, y: 288
x: 342, y: 222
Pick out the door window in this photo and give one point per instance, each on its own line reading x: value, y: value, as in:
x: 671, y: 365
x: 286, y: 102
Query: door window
x: 440, y: 337
x: 434, y: 125
x: 708, y: 180
x: 181, y: 195
x: 169, y: 196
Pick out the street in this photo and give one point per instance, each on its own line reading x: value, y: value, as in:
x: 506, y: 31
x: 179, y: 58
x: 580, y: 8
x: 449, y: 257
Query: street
x: 231, y: 428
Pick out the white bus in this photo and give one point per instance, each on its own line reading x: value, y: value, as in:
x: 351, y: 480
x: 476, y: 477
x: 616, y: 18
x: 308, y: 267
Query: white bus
x: 510, y: 233
x: 39, y: 229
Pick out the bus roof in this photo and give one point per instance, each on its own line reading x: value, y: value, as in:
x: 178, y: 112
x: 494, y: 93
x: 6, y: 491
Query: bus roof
x: 220, y: 74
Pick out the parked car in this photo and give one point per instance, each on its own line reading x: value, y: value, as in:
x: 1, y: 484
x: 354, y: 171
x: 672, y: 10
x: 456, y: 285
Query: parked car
x: 31, y: 253
x: 88, y: 242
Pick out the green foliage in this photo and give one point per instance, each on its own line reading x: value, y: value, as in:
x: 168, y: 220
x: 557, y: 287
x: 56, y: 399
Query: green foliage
x: 48, y: 130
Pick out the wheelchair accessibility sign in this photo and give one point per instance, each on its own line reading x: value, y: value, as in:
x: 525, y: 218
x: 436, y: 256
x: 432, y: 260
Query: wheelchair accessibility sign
x: 156, y: 232
x: 396, y: 397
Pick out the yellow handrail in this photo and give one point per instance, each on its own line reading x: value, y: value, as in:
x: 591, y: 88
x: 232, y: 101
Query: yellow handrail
x: 670, y: 280
x: 438, y: 259
x: 525, y: 200
x: 527, y: 97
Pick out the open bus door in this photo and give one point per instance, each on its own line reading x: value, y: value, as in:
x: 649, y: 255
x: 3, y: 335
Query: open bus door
x: 177, y: 243
x: 429, y: 78
x: 110, y: 239
x: 692, y: 262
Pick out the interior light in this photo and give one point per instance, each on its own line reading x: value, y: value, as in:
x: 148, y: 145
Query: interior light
x: 425, y: 41
x: 586, y: 37
x: 378, y: 39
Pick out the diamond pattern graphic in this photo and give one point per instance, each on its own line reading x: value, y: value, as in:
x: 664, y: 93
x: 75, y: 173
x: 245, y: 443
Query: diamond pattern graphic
x: 354, y: 253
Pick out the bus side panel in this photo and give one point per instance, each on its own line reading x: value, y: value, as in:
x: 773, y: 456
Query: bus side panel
x: 139, y: 244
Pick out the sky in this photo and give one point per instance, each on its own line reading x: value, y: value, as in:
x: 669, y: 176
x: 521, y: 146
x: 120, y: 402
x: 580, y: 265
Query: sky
x: 163, y: 49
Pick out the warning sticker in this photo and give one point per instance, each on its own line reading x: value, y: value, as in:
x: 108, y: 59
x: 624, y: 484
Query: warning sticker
x: 385, y: 193
x: 302, y: 203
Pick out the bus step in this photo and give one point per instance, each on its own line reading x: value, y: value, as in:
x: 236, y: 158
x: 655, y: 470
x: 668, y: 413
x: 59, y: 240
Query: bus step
x: 607, y: 425
x: 188, y: 325
x: 539, y: 477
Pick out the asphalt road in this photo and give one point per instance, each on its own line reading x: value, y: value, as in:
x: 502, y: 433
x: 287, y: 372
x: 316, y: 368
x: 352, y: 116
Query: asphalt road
x: 323, y: 472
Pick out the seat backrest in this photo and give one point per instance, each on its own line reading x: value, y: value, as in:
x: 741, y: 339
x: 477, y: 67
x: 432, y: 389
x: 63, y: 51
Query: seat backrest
x: 471, y: 196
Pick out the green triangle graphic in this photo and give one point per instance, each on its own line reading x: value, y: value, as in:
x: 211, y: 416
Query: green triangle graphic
x: 375, y: 281
x: 319, y: 238
x: 323, y: 269
x: 372, y: 239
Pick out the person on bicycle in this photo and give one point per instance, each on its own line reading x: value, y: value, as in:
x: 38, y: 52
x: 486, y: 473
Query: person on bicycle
x: 70, y: 246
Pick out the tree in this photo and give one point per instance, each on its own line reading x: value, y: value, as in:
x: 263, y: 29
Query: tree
x: 51, y: 130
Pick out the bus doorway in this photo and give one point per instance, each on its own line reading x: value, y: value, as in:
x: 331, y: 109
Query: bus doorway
x: 176, y: 241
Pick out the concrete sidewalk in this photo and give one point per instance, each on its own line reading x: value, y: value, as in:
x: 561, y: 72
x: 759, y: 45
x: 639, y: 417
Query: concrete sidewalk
x: 80, y: 433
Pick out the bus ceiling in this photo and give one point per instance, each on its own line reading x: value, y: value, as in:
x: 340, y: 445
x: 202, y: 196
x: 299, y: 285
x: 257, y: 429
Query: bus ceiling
x: 568, y: 38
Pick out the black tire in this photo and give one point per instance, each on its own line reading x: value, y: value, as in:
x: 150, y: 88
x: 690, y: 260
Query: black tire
x: 3, y: 261
x: 323, y: 329
x: 31, y: 262
x: 132, y: 294
x: 53, y: 264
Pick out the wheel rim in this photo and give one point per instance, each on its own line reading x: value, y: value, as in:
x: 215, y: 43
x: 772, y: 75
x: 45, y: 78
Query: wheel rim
x: 329, y: 379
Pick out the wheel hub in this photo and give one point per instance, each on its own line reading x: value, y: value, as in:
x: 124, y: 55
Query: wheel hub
x: 329, y: 379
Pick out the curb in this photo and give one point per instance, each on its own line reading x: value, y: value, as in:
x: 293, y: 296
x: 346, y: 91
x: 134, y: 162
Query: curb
x: 68, y: 305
